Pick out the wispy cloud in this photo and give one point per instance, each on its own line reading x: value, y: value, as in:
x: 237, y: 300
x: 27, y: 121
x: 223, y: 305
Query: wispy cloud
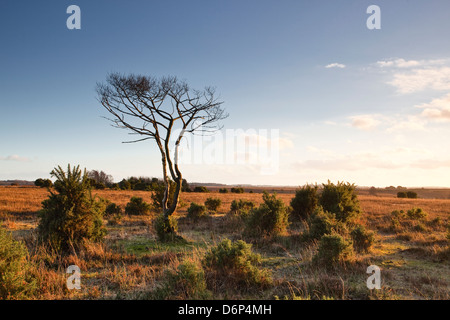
x: 335, y: 65
x: 402, y: 63
x: 14, y: 157
x: 365, y: 122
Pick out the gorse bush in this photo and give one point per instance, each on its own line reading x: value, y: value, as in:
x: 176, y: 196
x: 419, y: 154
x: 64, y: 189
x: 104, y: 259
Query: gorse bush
x: 213, y: 204
x: 241, y: 207
x: 15, y: 282
x: 158, y: 195
x: 201, y: 189
x: 271, y: 218
x: 71, y: 215
x: 237, y: 190
x: 332, y: 248
x: 340, y: 199
x: 235, y: 262
x: 166, y: 228
x: 112, y: 209
x: 320, y: 223
x: 196, y: 211
x: 137, y: 206
x: 187, y: 281
x: 305, y: 201
x: 416, y: 214
x: 223, y: 190
x: 362, y: 239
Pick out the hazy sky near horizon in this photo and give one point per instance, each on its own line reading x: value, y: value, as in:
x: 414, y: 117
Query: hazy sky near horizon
x: 370, y: 107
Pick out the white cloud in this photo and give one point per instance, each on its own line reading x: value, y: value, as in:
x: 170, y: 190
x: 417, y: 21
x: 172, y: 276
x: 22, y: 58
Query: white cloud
x: 402, y: 63
x: 437, y: 109
x: 365, y: 122
x: 421, y: 79
x: 335, y: 65
x: 14, y: 157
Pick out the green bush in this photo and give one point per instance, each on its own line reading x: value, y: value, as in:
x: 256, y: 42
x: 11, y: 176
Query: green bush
x: 320, y: 223
x: 43, y: 183
x: 235, y: 263
x: 166, y: 228
x: 362, y: 239
x: 237, y: 190
x: 340, y: 199
x: 113, y: 209
x: 241, y: 207
x: 71, y: 215
x: 401, y: 194
x: 158, y: 195
x: 411, y: 195
x: 196, y: 211
x: 305, y: 201
x: 15, y: 282
x: 213, y: 204
x: 187, y: 281
x: 271, y: 218
x: 201, y: 189
x: 137, y: 206
x: 416, y: 214
x: 223, y: 190
x: 332, y: 248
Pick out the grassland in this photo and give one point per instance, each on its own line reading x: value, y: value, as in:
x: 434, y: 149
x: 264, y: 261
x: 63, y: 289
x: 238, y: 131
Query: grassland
x: 131, y: 263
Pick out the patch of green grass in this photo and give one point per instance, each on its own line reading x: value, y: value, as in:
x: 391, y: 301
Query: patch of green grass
x: 140, y: 246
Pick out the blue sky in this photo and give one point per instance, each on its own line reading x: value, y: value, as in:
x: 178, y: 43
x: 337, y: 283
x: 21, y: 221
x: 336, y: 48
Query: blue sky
x: 366, y: 106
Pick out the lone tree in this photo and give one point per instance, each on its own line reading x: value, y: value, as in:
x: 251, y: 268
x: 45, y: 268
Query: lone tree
x: 155, y: 109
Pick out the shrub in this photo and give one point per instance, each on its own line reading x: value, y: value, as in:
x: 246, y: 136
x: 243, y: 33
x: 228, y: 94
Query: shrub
x: 305, y: 201
x: 271, y: 218
x: 332, y: 248
x: 411, y: 195
x: 213, y: 204
x: 241, y: 207
x: 362, y: 239
x: 15, y: 283
x: 158, y: 195
x: 166, y: 228
x: 43, y: 183
x: 137, y: 206
x: 187, y: 281
x: 71, y: 215
x: 235, y: 262
x: 401, y: 194
x: 196, y: 211
x: 320, y: 223
x: 201, y: 189
x: 237, y: 190
x: 223, y: 190
x: 340, y: 199
x: 416, y: 214
x: 112, y: 209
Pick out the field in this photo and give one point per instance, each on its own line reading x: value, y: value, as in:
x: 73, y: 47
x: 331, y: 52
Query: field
x: 131, y: 263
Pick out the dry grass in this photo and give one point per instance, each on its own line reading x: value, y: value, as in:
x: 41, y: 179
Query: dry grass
x: 130, y: 264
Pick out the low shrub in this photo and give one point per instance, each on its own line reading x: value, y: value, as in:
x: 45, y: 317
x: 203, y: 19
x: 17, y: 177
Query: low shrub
x: 213, y: 204
x: 196, y: 211
x: 241, y: 207
x: 333, y: 248
x: 237, y: 190
x: 235, y: 263
x: 201, y: 189
x: 137, y: 206
x: 271, y: 218
x: 187, y: 281
x: 362, y: 239
x: 401, y: 194
x: 416, y: 214
x: 113, y: 209
x: 223, y: 190
x: 166, y: 228
x: 320, y: 223
x: 15, y: 282
x: 305, y: 201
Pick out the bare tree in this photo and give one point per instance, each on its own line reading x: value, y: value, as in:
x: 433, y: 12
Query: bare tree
x: 100, y: 177
x: 154, y: 109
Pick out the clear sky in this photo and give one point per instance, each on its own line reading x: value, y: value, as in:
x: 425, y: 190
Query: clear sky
x: 370, y: 107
